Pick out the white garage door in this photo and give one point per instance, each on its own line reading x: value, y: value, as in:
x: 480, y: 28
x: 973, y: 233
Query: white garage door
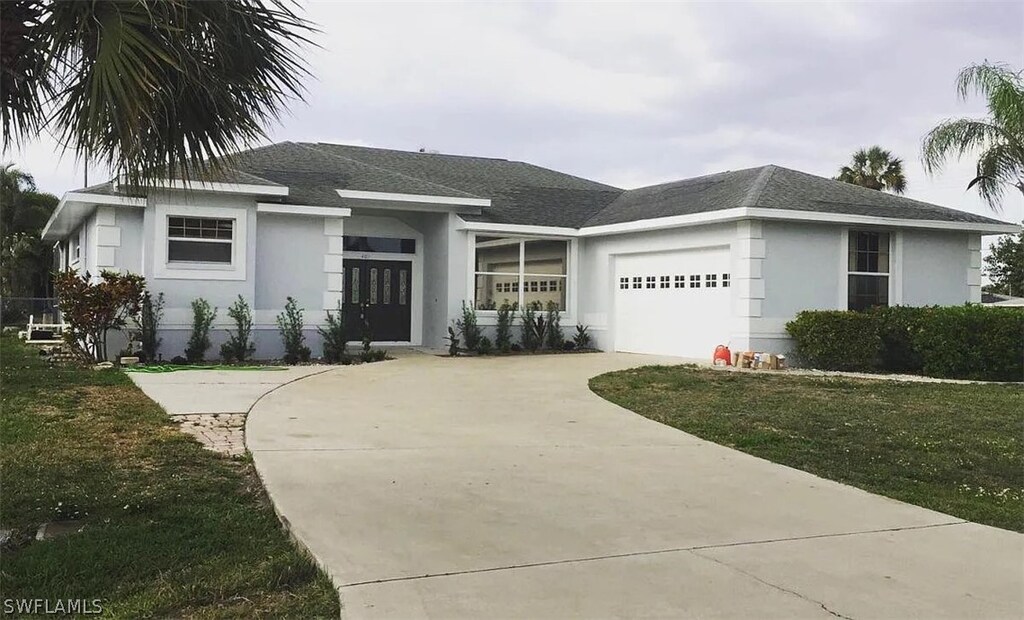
x: 673, y: 303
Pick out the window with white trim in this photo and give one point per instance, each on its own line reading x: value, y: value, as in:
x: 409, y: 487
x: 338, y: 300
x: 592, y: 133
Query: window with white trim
x: 535, y: 270
x: 200, y: 240
x: 868, y: 270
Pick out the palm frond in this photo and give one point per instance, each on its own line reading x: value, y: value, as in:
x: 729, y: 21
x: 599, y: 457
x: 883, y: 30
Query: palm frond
x: 955, y: 138
x: 156, y: 88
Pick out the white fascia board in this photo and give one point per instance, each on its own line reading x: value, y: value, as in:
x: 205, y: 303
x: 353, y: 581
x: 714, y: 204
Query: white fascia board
x: 517, y: 229
x: 739, y: 213
x: 286, y: 209
x: 870, y: 220
x: 102, y: 199
x: 80, y: 199
x: 457, y: 201
x: 220, y: 188
x: 674, y: 221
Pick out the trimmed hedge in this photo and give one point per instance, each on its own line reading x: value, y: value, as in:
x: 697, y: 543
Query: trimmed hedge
x: 956, y: 342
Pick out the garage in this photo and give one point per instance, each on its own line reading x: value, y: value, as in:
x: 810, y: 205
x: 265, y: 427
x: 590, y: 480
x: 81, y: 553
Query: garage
x: 673, y: 303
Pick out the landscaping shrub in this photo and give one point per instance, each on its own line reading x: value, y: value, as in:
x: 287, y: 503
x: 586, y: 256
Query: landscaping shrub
x: 582, y: 337
x: 453, y: 340
x: 91, y: 309
x: 835, y: 340
x: 289, y: 323
x: 484, y: 346
x: 334, y: 336
x: 469, y: 328
x: 896, y: 327
x: 150, y: 315
x: 239, y: 347
x: 954, y: 342
x: 199, y: 340
x: 972, y: 342
x: 554, y: 338
x: 503, y: 333
x: 532, y: 336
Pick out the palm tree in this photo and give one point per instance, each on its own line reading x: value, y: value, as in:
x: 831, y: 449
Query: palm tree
x: 875, y: 168
x: 148, y: 86
x: 999, y: 138
x: 24, y: 259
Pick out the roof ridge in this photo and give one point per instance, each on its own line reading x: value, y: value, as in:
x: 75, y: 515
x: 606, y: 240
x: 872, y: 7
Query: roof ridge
x: 313, y: 147
x: 757, y: 188
x: 696, y: 178
x: 566, y: 174
x: 425, y: 153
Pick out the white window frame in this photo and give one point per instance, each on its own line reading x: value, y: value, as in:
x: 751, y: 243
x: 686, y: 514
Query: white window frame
x: 569, y: 277
x: 177, y: 270
x: 895, y: 273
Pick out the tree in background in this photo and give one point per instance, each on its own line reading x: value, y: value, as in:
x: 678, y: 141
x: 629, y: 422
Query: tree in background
x: 875, y: 168
x: 150, y: 85
x: 999, y: 138
x: 1005, y: 266
x: 25, y: 260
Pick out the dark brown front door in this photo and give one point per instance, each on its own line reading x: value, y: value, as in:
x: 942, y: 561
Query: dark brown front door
x: 378, y: 292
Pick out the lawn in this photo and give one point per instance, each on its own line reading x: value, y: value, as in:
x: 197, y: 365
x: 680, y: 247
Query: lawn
x: 170, y: 529
x: 952, y: 448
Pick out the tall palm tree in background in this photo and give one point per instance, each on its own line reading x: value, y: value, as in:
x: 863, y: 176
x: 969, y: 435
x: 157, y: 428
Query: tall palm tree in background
x: 999, y: 138
x: 148, y: 86
x: 875, y: 168
x: 25, y: 260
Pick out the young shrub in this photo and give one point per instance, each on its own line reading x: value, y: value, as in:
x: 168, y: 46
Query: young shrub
x: 972, y: 342
x: 503, y: 334
x: 333, y: 335
x: 239, y: 347
x: 374, y: 355
x: 582, y: 337
x: 453, y: 340
x: 289, y: 323
x: 569, y: 345
x: 365, y: 327
x: 199, y: 340
x: 553, y: 338
x: 469, y: 328
x: 150, y: 315
x: 92, y: 309
x: 533, y: 332
x: 835, y: 340
x: 484, y: 346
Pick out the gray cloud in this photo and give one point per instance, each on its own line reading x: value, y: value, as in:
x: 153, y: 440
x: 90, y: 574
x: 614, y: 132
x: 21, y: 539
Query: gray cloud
x: 639, y: 93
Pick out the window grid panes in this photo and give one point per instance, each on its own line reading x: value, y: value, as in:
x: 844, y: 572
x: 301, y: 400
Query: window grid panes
x: 680, y: 281
x: 663, y: 282
x: 725, y: 280
x: 711, y: 280
x: 623, y: 283
x: 650, y: 281
x: 868, y: 266
x: 695, y: 281
x: 637, y: 281
x: 199, y: 240
x: 519, y: 271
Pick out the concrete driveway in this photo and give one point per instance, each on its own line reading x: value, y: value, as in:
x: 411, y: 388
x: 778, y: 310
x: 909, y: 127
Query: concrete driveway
x: 504, y: 488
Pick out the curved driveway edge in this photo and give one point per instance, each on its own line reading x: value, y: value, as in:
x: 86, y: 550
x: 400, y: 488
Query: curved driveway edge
x: 503, y: 487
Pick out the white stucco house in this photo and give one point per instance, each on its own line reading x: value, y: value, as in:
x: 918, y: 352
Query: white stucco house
x: 676, y: 268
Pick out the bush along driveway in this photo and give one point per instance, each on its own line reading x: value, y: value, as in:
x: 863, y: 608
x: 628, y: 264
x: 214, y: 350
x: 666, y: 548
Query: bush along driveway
x: 167, y: 528
x: 952, y: 448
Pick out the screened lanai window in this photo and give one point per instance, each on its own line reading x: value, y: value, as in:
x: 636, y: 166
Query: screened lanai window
x: 520, y: 271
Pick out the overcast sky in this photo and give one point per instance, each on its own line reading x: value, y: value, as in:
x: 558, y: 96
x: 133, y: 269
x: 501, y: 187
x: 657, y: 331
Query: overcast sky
x: 635, y: 94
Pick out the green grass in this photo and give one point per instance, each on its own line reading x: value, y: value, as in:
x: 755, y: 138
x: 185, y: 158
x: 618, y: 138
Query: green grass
x: 171, y: 529
x: 952, y: 448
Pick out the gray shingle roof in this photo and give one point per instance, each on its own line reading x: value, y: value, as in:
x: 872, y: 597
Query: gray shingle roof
x: 770, y: 187
x: 523, y: 193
